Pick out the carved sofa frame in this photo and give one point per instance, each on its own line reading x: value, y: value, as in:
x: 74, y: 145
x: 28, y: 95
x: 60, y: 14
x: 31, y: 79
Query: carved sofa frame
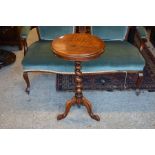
x: 140, y: 41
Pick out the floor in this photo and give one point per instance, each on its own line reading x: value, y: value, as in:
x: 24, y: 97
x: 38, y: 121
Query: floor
x: 118, y: 109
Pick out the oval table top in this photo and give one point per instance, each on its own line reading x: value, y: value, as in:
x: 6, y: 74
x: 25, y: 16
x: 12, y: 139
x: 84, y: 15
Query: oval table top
x: 78, y: 47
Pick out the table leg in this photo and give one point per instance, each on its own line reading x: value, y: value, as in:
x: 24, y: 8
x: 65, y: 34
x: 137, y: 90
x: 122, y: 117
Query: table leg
x: 78, y: 99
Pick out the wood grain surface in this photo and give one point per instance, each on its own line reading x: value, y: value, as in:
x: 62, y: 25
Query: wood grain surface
x: 78, y: 47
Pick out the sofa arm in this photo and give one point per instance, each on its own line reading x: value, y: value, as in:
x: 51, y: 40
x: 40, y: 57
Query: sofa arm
x: 142, y: 33
x: 25, y: 32
x: 145, y: 46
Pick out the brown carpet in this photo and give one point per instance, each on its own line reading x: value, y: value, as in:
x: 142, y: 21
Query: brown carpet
x: 107, y: 81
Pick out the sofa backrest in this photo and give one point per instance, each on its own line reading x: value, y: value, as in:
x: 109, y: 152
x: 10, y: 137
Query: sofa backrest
x: 52, y: 32
x: 110, y: 33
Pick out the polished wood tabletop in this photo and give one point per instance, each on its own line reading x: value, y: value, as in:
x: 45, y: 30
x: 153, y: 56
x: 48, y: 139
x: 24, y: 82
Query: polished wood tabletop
x: 78, y: 47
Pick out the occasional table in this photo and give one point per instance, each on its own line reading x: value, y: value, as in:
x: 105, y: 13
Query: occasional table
x: 78, y: 47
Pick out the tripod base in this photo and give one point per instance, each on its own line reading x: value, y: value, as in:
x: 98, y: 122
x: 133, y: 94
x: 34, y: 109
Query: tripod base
x: 82, y: 101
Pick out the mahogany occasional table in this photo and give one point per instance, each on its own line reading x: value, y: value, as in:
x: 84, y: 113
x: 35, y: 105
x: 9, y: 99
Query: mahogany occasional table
x: 78, y: 47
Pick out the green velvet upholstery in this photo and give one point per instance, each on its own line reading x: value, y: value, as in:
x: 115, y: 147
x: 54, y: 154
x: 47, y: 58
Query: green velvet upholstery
x: 25, y: 31
x: 142, y: 32
x: 52, y: 32
x: 118, y: 56
x: 110, y: 33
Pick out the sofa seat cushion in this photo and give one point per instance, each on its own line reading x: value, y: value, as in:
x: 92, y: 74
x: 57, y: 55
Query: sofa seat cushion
x: 118, y: 56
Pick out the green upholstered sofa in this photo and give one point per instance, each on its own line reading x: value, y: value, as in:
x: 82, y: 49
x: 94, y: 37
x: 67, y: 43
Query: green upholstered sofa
x: 119, y: 56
